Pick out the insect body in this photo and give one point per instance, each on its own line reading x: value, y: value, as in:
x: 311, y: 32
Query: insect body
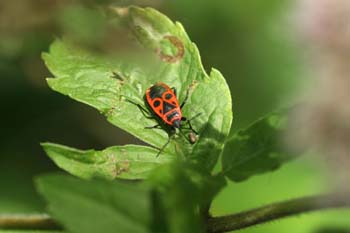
x: 162, y: 100
x: 163, y: 103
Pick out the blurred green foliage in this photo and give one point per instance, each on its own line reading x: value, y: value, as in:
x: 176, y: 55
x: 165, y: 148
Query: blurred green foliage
x: 252, y: 44
x: 257, y: 149
x: 69, y: 195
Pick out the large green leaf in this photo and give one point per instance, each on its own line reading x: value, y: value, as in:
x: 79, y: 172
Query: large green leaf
x: 128, y: 162
x: 257, y: 149
x: 97, y: 205
x: 105, y: 84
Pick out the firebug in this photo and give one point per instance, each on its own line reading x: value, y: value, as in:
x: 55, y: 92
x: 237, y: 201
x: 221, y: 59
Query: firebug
x: 164, y: 106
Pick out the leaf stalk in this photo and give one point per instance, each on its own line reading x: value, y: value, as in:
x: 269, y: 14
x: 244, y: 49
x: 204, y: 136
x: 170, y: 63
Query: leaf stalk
x: 30, y: 221
x: 276, y: 211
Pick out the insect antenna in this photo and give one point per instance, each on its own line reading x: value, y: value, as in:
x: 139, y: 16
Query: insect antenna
x: 189, y: 122
x: 142, y: 109
x: 195, y: 116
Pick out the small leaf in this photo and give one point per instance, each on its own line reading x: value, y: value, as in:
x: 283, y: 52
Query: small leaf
x: 257, y: 149
x: 105, y: 84
x: 128, y: 162
x: 98, y: 205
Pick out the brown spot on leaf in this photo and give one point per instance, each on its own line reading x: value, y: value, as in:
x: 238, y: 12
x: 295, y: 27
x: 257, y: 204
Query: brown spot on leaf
x: 109, y: 112
x: 123, y: 167
x: 121, y: 11
x: 180, y: 50
x: 118, y: 77
x: 193, y: 85
x: 111, y: 162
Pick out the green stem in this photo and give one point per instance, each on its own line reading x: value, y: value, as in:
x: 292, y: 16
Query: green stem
x: 276, y: 211
x: 37, y: 221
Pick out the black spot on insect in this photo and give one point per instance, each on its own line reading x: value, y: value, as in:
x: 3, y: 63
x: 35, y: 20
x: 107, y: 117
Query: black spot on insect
x: 167, y: 107
x: 156, y: 103
x: 168, y: 96
x: 156, y: 91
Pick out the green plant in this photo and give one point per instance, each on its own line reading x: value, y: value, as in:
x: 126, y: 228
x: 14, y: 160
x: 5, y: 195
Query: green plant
x: 177, y: 187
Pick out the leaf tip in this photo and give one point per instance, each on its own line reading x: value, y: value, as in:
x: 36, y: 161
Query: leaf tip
x: 45, y: 145
x: 44, y: 55
x: 215, y: 72
x: 51, y: 82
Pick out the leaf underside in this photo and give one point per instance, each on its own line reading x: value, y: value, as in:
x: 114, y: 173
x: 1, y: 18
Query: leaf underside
x: 257, y: 149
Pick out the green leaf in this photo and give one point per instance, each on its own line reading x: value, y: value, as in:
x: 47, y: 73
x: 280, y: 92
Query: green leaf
x: 105, y: 84
x: 183, y: 196
x: 257, y: 149
x: 98, y: 205
x: 177, y: 200
x: 128, y: 162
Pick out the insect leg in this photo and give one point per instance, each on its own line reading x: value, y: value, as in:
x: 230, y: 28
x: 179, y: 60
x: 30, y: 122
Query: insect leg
x: 189, y: 121
x: 158, y: 126
x: 163, y: 147
x: 195, y: 116
x: 144, y: 111
x: 191, y: 137
x: 174, y: 90
x: 191, y: 128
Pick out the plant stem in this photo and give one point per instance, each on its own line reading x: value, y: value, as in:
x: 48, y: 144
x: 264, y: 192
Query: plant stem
x: 276, y: 211
x: 36, y: 221
x: 215, y: 224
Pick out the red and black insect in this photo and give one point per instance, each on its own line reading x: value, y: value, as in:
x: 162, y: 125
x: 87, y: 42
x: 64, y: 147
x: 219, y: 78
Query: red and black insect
x: 163, y: 103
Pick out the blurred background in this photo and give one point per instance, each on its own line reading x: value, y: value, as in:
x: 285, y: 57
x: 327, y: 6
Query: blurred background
x: 257, y: 45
